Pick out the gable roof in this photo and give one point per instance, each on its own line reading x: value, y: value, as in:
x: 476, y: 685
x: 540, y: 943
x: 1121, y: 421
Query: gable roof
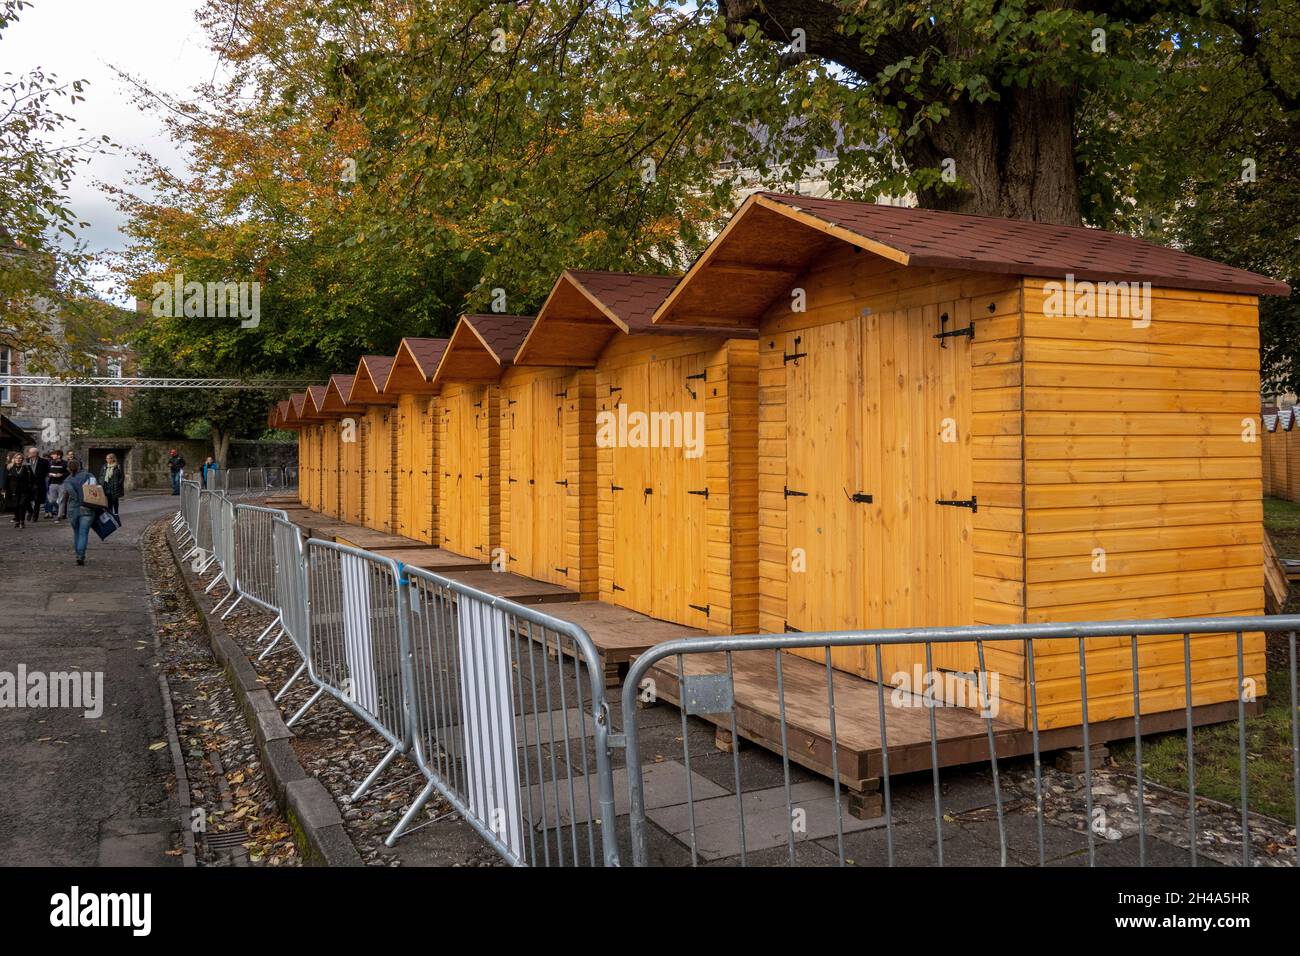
x: 774, y: 237
x: 481, y: 347
x: 337, y: 394
x: 586, y: 309
x: 368, y: 381
x: 414, y: 366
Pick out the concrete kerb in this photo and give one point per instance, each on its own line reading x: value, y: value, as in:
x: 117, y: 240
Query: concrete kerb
x: 317, y: 824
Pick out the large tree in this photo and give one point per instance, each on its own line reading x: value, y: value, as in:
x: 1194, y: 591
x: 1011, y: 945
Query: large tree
x: 48, y: 309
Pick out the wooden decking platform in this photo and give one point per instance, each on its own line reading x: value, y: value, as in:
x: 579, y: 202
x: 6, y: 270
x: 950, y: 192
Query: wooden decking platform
x: 961, y: 734
x: 437, y: 560
x: 368, y: 539
x: 515, y: 587
x: 619, y: 634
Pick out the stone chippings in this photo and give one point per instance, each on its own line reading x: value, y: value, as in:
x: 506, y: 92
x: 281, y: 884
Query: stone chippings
x: 340, y: 751
x: 227, y: 782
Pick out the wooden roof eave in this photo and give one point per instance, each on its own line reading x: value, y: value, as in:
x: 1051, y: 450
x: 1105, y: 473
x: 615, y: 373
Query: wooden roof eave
x: 705, y: 264
x: 458, y: 347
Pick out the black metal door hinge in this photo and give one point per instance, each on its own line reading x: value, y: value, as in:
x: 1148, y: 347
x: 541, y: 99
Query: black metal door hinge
x: 478, y: 404
x: 689, y: 378
x: 795, y: 494
x: 860, y: 498
x: 510, y: 401
x: 946, y: 333
x: 970, y: 503
x: 701, y: 607
x: 702, y: 494
x: 563, y: 394
x: 561, y: 570
x: 617, y: 588
x: 479, y: 477
x: 796, y: 355
x: 615, y: 388
x: 614, y: 487
x: 511, y: 481
x: 792, y: 630
x: 564, y: 482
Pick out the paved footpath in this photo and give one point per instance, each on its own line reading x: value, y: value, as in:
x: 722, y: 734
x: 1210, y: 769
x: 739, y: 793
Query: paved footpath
x: 74, y: 790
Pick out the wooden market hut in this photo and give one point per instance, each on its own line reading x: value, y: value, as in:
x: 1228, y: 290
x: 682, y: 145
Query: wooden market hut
x: 324, y: 454
x: 676, y: 448
x: 544, y: 463
x: 410, y: 382
x: 376, y: 440
x: 972, y: 420
x: 348, y: 437
x: 468, y: 431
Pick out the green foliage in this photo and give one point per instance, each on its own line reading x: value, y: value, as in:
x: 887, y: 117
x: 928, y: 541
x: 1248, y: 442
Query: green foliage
x: 47, y: 307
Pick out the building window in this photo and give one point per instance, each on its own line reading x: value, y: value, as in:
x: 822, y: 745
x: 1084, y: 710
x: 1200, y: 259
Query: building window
x: 6, y: 368
x: 115, y: 408
x: 115, y: 368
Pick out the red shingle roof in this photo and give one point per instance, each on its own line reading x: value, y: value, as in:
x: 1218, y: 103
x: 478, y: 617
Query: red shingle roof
x: 631, y: 297
x: 426, y: 352
x: 985, y: 244
x: 378, y: 366
x: 503, y: 334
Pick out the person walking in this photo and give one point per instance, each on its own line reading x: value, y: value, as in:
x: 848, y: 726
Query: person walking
x: 208, y: 473
x: 176, y: 465
x: 80, y: 515
x: 56, y: 474
x: 18, y: 487
x: 38, y: 467
x: 114, y: 482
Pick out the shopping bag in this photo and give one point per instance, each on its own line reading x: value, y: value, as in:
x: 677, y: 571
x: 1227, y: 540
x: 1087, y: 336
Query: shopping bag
x: 105, y: 524
x: 94, y: 495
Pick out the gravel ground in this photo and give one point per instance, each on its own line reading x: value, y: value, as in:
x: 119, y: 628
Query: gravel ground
x: 236, y: 819
x: 340, y: 750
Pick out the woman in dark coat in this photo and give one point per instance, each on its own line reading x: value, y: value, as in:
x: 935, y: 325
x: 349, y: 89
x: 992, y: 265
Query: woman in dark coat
x: 114, y: 482
x: 18, y: 486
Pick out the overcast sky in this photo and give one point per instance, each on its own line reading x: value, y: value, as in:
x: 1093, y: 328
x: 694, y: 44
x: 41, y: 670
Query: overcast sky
x: 157, y: 41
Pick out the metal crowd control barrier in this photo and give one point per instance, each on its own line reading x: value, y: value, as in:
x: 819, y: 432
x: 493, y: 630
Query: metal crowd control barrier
x: 189, y: 512
x: 712, y: 693
x: 501, y: 729
x: 290, y: 477
x: 221, y: 516
x: 291, y: 592
x: 358, y: 642
x: 252, y: 560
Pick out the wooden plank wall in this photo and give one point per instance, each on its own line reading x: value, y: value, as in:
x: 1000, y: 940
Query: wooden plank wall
x: 468, y: 499
x: 1142, y: 498
x: 304, y: 456
x: 879, y: 404
x: 414, y: 475
x: 1292, y: 445
x: 331, y: 463
x: 546, y: 413
x: 672, y: 552
x: 351, y: 445
x: 1280, y: 464
x: 378, y: 489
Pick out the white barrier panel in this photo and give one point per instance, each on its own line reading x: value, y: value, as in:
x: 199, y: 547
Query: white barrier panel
x: 486, y: 694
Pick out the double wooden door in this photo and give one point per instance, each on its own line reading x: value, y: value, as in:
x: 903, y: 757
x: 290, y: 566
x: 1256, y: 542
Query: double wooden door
x: 534, y: 484
x: 879, y: 495
x: 660, y: 486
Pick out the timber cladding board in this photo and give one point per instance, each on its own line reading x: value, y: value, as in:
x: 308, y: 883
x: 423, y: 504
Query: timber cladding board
x: 466, y: 429
x: 676, y: 530
x: 546, y: 475
x: 940, y: 443
x: 378, y: 484
x: 413, y: 479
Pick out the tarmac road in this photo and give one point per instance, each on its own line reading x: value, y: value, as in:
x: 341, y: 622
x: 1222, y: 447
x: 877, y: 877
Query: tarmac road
x: 78, y: 790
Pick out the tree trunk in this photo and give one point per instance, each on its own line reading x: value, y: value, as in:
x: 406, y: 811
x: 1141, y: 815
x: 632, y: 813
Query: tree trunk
x: 220, y: 446
x: 1014, y: 157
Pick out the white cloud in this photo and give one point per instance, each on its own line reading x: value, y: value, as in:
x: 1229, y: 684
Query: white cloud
x: 157, y: 41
